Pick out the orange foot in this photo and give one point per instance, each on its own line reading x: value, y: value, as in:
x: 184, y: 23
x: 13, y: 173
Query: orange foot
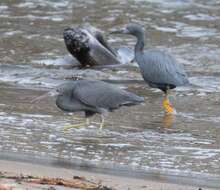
x: 167, y: 106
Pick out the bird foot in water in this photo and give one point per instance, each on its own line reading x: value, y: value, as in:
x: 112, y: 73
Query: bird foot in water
x: 167, y: 106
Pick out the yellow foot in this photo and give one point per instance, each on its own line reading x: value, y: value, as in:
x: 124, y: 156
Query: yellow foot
x: 167, y: 106
x: 73, y: 126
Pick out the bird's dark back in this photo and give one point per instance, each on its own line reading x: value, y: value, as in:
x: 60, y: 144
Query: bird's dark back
x: 103, y: 95
x: 159, y: 68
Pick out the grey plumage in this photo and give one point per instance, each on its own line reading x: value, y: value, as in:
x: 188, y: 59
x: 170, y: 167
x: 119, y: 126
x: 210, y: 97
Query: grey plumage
x: 90, y: 97
x: 158, y: 68
x: 93, y: 97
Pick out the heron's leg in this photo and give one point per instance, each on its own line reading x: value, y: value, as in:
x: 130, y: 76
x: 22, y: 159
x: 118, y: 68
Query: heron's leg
x: 87, y: 121
x: 166, y: 104
x: 83, y: 123
x: 78, y: 125
x: 102, y: 122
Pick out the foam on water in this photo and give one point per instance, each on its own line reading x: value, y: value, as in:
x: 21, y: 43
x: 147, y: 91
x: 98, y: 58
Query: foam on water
x: 202, y: 17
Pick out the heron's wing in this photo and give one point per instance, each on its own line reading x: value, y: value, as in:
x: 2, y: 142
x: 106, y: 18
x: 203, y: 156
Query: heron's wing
x: 103, y: 95
x: 159, y: 67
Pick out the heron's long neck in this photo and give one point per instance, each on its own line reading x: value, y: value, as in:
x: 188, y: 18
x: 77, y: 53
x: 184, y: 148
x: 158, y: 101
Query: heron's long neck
x: 139, y: 47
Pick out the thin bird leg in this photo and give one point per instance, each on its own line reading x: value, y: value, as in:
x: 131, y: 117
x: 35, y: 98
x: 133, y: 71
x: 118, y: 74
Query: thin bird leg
x: 102, y: 122
x: 78, y: 125
x: 166, y: 104
x: 87, y: 121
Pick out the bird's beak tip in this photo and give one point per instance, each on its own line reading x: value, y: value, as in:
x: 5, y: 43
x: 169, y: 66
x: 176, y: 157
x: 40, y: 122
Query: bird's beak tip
x: 39, y: 98
x: 119, y: 31
x: 36, y: 100
x: 113, y: 32
x: 53, y: 93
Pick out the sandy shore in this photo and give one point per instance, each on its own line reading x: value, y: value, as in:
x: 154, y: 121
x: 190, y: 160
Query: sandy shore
x: 12, y: 168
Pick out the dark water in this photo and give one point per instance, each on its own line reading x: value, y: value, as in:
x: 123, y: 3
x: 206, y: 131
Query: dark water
x: 33, y: 58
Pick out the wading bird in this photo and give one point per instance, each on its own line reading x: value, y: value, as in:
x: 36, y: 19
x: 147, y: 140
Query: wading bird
x: 91, y: 97
x: 158, y: 68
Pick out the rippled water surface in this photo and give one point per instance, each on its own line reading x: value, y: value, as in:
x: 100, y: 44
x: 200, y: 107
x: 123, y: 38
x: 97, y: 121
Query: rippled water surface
x: 33, y: 59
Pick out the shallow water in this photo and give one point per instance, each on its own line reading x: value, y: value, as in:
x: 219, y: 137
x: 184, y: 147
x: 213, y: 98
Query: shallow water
x: 33, y: 59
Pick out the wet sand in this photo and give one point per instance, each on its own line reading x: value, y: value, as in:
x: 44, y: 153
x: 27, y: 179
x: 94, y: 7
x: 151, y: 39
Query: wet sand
x: 114, y: 182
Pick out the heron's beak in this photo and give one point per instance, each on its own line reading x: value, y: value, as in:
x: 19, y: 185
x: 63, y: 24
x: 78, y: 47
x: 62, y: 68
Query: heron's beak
x: 50, y: 93
x: 120, y: 31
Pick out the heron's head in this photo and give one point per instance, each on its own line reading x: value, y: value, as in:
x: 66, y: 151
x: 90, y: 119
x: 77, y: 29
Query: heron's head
x: 65, y: 88
x: 132, y: 29
x: 53, y: 92
x: 62, y: 90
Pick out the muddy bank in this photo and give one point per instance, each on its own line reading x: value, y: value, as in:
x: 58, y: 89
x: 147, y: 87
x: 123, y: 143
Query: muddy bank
x: 16, y: 175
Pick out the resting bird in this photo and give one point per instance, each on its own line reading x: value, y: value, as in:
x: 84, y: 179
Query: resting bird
x: 89, y: 47
x: 158, y: 68
x: 92, y: 97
